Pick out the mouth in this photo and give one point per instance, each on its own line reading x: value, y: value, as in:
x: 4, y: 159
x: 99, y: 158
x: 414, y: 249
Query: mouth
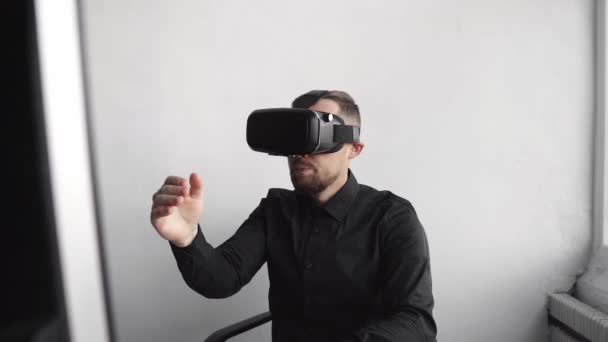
x: 301, y: 168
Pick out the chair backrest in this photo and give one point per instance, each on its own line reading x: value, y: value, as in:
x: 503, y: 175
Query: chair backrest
x: 239, y: 327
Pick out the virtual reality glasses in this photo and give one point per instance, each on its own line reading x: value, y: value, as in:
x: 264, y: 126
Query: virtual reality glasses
x: 298, y: 131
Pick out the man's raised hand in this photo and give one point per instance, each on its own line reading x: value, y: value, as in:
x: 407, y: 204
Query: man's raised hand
x: 177, y: 208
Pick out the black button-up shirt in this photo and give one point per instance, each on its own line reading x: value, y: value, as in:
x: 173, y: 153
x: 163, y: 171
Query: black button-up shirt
x: 356, y: 268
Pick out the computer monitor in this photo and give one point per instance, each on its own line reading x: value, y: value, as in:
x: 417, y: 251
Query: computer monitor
x: 53, y: 279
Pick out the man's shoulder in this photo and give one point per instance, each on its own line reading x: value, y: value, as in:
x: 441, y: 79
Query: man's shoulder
x: 383, y: 198
x: 279, y: 193
x: 398, y: 213
x: 275, y: 199
x: 281, y: 197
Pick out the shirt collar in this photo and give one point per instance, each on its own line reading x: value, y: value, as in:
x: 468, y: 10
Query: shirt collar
x: 338, y: 205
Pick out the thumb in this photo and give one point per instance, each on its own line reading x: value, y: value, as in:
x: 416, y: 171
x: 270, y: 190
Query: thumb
x: 196, y: 186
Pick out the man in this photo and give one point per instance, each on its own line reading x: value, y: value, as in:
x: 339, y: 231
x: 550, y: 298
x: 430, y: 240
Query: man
x: 346, y: 262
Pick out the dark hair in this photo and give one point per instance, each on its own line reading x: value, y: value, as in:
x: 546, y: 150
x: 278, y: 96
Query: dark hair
x: 348, y: 107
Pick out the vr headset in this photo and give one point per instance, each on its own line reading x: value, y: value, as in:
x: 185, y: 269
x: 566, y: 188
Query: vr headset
x: 298, y: 130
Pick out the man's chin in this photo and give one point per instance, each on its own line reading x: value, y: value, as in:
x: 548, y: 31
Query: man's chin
x: 305, y: 184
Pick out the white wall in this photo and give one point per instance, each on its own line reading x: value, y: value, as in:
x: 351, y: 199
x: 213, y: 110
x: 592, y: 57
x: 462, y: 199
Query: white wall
x: 477, y: 111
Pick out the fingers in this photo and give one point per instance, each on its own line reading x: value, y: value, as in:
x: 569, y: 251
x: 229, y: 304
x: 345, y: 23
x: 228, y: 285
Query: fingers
x: 176, y: 188
x: 172, y: 190
x: 175, y: 180
x: 166, y: 200
x: 196, y: 185
x: 160, y: 212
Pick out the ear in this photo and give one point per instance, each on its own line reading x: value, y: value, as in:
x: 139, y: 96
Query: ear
x: 355, y: 150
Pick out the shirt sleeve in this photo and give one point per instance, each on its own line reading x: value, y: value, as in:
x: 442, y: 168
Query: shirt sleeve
x: 406, y: 283
x: 221, y: 272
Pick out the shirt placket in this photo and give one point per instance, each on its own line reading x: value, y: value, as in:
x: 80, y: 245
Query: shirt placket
x: 312, y: 264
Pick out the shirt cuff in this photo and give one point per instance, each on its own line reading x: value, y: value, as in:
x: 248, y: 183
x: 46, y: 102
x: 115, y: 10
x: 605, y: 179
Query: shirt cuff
x: 189, y: 249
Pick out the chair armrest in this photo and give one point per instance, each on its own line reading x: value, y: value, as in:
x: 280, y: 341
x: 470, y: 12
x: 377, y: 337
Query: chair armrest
x: 239, y: 327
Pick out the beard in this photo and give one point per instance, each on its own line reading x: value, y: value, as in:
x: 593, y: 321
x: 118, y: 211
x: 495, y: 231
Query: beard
x: 311, y: 182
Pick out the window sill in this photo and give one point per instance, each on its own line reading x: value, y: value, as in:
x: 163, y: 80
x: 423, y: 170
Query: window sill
x: 592, y: 287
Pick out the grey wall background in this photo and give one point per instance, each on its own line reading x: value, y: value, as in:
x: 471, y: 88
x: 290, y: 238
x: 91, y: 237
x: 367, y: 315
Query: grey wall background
x: 477, y: 111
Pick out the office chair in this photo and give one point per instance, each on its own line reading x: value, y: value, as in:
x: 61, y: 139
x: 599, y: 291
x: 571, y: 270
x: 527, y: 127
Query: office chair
x: 239, y: 327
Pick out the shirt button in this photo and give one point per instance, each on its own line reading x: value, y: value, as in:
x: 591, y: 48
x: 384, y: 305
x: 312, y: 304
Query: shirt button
x: 317, y: 230
x: 308, y: 266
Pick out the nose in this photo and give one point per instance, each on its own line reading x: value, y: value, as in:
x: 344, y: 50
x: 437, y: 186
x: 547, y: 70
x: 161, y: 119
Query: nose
x: 299, y: 156
x: 299, y: 159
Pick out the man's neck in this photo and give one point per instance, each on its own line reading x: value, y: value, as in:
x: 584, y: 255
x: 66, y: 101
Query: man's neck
x: 331, y: 190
